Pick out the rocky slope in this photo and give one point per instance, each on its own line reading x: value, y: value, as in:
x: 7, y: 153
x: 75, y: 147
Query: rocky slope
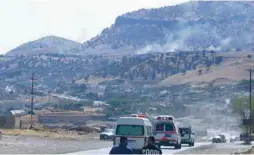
x: 213, y: 25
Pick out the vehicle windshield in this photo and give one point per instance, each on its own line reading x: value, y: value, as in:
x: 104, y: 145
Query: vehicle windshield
x: 133, y: 130
x: 109, y: 130
x: 164, y: 127
x: 185, y: 130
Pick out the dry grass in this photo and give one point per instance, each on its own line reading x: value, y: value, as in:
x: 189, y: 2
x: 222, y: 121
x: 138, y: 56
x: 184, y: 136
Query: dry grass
x: 41, y: 133
x: 232, y: 70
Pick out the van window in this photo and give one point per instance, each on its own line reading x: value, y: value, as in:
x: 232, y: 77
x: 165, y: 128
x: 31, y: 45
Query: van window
x: 169, y: 127
x: 133, y: 130
x: 159, y: 127
x: 164, y: 127
x: 184, y: 130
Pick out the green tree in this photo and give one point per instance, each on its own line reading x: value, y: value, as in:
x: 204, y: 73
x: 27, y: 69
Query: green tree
x: 239, y: 104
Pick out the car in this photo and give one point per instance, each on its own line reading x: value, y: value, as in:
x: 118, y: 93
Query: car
x: 246, y: 137
x: 107, y: 134
x: 223, y: 138
x: 216, y: 139
x: 187, y: 136
x: 219, y: 139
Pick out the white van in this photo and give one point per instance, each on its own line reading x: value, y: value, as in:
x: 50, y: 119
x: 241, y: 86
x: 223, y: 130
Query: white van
x: 166, y: 132
x: 137, y: 130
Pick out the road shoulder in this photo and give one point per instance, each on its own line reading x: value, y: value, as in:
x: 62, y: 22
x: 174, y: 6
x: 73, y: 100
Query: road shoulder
x: 44, y: 145
x: 219, y: 148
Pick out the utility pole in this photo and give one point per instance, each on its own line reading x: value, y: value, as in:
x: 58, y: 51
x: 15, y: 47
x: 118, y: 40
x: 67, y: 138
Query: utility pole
x: 250, y: 91
x: 32, y: 100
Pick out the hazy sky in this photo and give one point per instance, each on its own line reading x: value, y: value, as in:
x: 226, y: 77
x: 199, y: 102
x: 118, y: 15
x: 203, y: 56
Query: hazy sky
x: 79, y: 20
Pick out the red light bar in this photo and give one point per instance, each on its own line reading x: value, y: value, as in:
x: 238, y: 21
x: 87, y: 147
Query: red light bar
x: 142, y: 116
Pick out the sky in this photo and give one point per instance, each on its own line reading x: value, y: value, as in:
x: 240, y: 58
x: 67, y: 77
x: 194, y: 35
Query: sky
x: 78, y: 20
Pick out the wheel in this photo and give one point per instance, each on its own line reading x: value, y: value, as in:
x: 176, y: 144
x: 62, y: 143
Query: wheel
x: 193, y: 144
x: 178, y: 146
x: 159, y: 146
x: 190, y: 144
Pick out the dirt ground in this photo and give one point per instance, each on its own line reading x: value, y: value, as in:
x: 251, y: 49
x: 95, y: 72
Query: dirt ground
x: 45, y: 145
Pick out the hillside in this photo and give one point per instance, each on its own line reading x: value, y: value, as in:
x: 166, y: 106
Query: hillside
x: 201, y: 25
x: 49, y: 44
x: 72, y: 74
x: 232, y: 70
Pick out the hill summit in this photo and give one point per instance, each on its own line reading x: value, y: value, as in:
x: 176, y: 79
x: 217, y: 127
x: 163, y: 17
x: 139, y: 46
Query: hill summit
x: 49, y: 44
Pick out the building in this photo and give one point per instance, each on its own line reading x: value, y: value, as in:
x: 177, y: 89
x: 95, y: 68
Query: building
x: 17, y: 117
x: 11, y: 119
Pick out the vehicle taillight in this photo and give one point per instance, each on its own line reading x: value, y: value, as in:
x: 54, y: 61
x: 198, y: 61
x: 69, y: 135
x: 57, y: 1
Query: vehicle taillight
x: 142, y: 116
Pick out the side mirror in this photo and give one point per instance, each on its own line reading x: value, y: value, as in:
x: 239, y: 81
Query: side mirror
x: 193, y: 133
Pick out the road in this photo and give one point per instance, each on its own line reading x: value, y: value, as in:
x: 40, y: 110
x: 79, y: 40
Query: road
x: 199, y: 148
x: 46, y: 145
x: 165, y: 150
x: 219, y: 148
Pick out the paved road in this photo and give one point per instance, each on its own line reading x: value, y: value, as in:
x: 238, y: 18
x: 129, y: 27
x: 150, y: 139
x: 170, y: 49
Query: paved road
x: 165, y: 150
x: 218, y: 148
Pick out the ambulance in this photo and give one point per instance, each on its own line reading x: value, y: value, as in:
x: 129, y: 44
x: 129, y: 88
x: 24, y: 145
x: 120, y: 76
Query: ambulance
x: 139, y: 115
x: 166, y: 132
x: 136, y: 129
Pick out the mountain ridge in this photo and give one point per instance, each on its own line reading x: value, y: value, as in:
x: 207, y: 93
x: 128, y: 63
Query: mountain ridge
x: 190, y: 26
x: 180, y: 27
x: 47, y: 44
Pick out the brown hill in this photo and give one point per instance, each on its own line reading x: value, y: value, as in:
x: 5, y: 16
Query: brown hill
x: 233, y: 69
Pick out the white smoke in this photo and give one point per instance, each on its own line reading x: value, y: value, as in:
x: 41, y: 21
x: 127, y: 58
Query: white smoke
x: 181, y: 40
